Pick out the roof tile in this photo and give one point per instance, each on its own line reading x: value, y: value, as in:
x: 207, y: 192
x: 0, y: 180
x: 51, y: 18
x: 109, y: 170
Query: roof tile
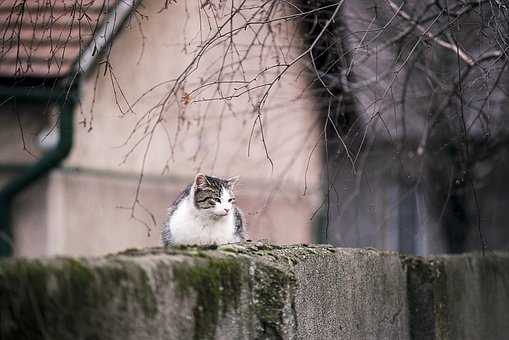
x: 44, y: 38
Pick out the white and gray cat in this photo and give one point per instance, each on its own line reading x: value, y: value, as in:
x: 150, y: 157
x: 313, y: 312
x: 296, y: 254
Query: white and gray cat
x: 205, y: 213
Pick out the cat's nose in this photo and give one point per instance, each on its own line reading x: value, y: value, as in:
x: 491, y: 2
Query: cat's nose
x: 226, y: 210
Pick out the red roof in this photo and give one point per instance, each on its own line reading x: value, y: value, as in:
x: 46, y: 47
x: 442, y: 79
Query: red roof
x: 44, y: 38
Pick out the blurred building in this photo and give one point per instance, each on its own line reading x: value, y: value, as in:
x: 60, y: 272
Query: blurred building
x: 106, y: 58
x: 425, y: 126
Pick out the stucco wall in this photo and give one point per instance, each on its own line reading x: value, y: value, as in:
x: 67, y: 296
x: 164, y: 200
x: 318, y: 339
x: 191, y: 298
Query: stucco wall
x: 90, y: 214
x: 20, y: 125
x: 211, y: 137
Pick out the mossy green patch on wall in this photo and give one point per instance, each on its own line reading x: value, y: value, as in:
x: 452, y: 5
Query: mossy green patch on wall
x: 272, y: 290
x: 32, y: 302
x: 217, y: 283
x: 66, y: 298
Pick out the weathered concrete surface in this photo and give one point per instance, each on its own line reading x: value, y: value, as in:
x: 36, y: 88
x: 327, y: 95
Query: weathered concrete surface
x: 352, y: 294
x: 459, y: 297
x: 255, y: 291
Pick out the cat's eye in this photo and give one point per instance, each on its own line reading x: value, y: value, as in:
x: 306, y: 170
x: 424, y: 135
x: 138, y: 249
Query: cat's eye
x: 214, y: 200
x: 231, y: 200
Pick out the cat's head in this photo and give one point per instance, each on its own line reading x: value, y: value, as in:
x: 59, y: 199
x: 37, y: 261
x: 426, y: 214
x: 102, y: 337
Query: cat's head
x: 214, y: 195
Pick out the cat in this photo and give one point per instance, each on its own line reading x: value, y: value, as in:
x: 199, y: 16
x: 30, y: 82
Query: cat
x: 205, y: 214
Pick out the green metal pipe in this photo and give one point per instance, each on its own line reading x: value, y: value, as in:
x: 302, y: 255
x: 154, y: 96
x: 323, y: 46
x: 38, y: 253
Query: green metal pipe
x: 66, y: 99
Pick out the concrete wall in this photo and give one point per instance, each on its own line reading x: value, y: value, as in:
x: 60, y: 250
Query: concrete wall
x: 256, y: 291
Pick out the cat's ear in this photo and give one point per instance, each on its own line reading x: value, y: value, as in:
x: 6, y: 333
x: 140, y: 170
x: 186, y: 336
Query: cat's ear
x: 201, y: 180
x: 232, y: 181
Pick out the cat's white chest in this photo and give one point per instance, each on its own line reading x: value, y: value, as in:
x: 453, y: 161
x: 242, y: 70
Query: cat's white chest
x: 188, y: 226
